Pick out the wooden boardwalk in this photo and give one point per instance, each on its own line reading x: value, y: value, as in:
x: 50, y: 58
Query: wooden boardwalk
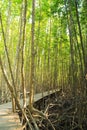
x: 9, y: 120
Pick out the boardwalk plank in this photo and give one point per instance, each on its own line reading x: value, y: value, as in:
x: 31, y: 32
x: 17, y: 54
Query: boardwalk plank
x: 9, y: 120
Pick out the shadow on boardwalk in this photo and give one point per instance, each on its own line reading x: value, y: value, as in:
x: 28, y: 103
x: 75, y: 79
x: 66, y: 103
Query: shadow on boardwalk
x: 9, y: 120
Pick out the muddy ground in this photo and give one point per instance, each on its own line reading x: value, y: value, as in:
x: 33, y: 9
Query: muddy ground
x: 64, y: 111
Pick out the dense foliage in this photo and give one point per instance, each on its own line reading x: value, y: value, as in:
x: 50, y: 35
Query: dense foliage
x: 60, y: 44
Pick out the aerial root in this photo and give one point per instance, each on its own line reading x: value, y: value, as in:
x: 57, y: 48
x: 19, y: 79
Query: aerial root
x: 33, y: 117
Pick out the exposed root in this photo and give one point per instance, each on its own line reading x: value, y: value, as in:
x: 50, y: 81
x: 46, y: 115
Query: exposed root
x: 62, y: 114
x: 30, y: 121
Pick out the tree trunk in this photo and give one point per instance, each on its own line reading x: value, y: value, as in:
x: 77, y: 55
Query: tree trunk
x: 31, y: 98
x: 22, y: 54
x: 7, y: 54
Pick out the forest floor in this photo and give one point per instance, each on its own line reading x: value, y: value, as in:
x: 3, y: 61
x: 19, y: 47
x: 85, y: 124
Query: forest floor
x: 64, y: 111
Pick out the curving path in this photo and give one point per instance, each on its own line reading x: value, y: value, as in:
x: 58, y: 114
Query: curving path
x: 9, y: 120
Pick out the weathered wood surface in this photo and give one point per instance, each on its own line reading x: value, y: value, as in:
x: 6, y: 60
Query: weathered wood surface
x: 9, y: 120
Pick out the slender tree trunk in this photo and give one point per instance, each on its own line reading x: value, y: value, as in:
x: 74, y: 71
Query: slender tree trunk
x: 80, y: 32
x: 31, y: 98
x: 18, y: 55
x: 85, y: 46
x: 9, y: 85
x: 7, y: 54
x: 22, y: 54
